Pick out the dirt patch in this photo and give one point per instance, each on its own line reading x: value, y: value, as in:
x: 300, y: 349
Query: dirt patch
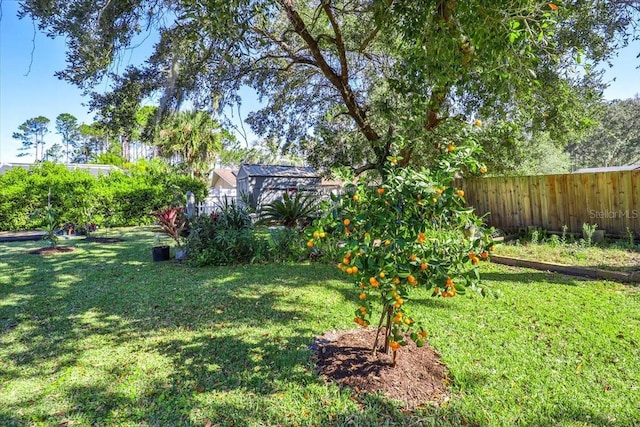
x: 93, y: 239
x: 345, y: 357
x: 52, y: 251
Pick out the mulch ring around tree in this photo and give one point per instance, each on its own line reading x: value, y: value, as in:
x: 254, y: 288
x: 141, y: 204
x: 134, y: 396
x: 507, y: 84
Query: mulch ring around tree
x: 345, y: 357
x: 51, y: 251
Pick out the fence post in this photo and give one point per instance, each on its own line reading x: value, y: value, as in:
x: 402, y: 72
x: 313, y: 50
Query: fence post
x: 191, y: 205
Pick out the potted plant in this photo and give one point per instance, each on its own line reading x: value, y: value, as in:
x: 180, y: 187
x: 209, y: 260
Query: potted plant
x: 173, y: 221
x: 159, y: 252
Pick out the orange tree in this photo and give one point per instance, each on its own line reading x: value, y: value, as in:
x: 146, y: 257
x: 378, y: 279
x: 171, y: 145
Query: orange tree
x: 411, y: 231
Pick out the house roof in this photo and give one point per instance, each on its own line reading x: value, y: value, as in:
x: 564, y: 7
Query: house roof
x: 331, y: 183
x: 95, y: 170
x: 227, y: 175
x: 609, y: 169
x: 278, y: 171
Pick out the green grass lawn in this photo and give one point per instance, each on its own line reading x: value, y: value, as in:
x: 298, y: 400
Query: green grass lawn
x: 103, y: 336
x: 608, y: 258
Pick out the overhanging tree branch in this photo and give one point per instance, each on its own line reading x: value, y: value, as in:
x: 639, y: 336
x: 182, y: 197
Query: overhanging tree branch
x: 341, y: 84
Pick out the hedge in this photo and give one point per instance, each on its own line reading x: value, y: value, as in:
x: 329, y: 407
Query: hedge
x: 122, y: 198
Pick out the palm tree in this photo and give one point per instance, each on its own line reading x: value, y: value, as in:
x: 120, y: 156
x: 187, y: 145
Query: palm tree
x: 193, y: 137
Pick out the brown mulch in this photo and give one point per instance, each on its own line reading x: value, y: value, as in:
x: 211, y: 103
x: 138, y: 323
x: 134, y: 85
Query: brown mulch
x: 103, y: 239
x: 51, y: 251
x: 345, y: 357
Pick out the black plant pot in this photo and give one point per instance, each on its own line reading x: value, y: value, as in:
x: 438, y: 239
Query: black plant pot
x: 160, y: 253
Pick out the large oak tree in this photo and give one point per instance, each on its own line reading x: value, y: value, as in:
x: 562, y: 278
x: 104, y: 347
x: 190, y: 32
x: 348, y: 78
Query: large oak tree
x: 349, y: 82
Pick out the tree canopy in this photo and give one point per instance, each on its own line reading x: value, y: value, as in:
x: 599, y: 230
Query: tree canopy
x: 67, y: 127
x: 351, y: 82
x: 32, y: 133
x: 615, y: 141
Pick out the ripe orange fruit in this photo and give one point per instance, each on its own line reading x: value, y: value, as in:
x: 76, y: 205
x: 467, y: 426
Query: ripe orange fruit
x: 363, y: 310
x: 363, y: 296
x: 382, y: 274
x: 316, y: 235
x: 396, y: 280
x: 413, y: 257
x: 483, y: 170
x: 354, y: 269
x: 346, y: 222
x: 451, y: 148
x: 374, y: 282
x: 310, y: 243
x: 380, y: 191
x: 484, y: 255
x: 460, y: 193
x: 349, y: 270
x: 424, y: 266
x: 477, y: 123
x: 355, y: 197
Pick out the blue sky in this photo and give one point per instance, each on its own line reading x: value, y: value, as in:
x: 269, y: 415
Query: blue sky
x: 28, y: 87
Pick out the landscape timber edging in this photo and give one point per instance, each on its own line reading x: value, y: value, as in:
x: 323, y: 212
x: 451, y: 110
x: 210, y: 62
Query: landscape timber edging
x: 594, y: 273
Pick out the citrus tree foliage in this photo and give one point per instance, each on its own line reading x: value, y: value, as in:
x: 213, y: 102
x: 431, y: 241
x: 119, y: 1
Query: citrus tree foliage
x: 342, y: 79
x: 411, y: 231
x: 615, y: 141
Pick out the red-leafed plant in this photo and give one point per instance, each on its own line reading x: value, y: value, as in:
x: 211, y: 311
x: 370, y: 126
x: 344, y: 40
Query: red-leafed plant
x: 173, y: 221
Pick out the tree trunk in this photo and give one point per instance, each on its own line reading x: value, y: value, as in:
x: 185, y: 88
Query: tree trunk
x: 386, y: 313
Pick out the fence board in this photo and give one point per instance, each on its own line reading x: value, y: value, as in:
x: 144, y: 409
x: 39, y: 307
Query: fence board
x: 609, y: 199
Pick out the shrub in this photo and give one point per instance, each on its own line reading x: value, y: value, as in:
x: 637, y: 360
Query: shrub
x: 290, y: 211
x: 222, y: 238
x: 117, y: 199
x: 284, y: 244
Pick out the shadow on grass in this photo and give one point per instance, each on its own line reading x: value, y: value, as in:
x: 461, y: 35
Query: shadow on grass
x: 531, y: 277
x: 231, y: 330
x: 114, y: 297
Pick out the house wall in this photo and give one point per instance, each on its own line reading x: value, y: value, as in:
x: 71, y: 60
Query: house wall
x: 221, y: 184
x: 265, y: 189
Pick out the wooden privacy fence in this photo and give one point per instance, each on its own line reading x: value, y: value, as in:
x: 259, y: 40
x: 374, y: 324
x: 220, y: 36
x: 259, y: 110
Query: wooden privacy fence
x: 609, y: 199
